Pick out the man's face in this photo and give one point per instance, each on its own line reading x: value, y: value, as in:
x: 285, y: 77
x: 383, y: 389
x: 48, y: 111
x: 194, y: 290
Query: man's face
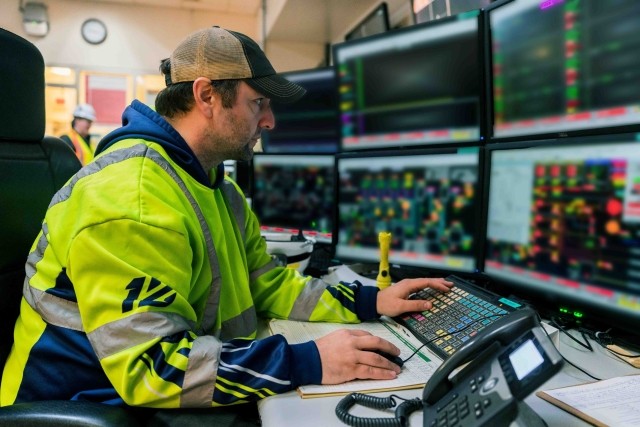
x: 82, y: 126
x: 237, y: 129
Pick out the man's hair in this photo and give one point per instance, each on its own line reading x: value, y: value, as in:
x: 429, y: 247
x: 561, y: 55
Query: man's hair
x: 178, y: 99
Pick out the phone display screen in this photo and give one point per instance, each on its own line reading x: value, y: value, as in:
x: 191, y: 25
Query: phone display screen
x: 525, y: 359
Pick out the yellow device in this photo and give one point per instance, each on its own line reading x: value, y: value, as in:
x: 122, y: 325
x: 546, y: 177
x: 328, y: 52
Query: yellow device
x: 384, y: 277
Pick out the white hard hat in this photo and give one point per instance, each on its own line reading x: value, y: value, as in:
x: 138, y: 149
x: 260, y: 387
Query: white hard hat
x: 85, y: 111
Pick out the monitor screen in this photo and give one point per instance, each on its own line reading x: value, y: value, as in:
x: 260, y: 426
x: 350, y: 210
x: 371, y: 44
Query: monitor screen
x: 418, y: 85
x: 564, y: 68
x: 376, y: 22
x: 429, y: 10
x: 427, y: 199
x: 311, y: 124
x: 294, y: 193
x: 563, y: 222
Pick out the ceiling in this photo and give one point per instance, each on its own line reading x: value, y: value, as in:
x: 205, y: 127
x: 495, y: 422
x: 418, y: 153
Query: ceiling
x: 310, y: 21
x: 242, y: 7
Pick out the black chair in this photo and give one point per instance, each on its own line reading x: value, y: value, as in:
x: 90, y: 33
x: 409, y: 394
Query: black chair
x: 32, y: 169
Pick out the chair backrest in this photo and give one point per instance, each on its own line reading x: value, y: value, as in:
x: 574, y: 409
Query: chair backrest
x: 32, y: 169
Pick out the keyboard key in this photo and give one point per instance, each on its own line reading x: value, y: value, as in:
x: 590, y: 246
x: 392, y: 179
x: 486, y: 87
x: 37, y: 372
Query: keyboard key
x: 465, y: 308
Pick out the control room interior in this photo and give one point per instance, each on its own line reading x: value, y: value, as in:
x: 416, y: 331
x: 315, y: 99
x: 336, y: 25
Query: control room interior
x: 497, y: 141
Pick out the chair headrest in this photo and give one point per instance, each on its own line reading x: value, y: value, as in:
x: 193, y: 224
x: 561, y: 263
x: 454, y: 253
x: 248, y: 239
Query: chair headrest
x: 22, y: 116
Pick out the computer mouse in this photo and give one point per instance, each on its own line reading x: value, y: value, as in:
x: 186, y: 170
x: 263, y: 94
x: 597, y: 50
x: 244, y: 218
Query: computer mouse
x: 391, y: 358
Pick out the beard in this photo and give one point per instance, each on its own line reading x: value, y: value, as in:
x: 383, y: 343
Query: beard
x: 235, y: 144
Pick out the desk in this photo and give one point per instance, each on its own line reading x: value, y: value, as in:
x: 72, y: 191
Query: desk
x: 291, y: 410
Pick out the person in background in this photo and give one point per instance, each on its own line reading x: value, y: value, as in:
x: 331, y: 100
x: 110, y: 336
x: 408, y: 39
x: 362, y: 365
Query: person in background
x: 145, y: 286
x: 78, y: 136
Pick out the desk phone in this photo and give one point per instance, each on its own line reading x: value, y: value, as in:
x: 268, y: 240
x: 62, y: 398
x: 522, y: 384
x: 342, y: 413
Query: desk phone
x: 509, y: 360
x: 482, y: 384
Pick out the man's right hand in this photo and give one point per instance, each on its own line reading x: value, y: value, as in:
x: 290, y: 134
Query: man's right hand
x: 347, y: 354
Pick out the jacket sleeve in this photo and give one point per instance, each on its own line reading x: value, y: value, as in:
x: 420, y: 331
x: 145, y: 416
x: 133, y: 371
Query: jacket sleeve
x: 135, y: 312
x: 284, y: 293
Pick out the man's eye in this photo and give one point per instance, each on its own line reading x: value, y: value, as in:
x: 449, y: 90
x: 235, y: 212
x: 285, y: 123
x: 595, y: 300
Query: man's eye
x: 259, y: 101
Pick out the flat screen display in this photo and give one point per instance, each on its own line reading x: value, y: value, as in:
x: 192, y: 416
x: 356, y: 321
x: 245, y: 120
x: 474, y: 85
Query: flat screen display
x: 293, y: 193
x: 562, y: 68
x: 418, y: 85
x: 428, y: 200
x: 563, y: 223
x: 309, y: 125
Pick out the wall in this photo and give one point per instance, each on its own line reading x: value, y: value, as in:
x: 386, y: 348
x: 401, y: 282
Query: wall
x: 138, y: 36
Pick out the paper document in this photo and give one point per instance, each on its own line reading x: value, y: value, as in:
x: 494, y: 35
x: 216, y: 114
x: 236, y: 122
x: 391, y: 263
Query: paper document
x: 415, y: 372
x: 613, y: 402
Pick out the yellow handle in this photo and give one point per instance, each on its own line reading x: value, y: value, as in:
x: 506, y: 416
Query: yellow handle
x: 384, y: 277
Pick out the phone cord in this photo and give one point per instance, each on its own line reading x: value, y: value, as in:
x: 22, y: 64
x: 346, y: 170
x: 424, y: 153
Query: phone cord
x: 401, y: 414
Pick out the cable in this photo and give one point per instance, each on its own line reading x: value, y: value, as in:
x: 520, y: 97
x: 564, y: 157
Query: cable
x: 586, y: 344
x: 564, y: 358
x: 400, y: 419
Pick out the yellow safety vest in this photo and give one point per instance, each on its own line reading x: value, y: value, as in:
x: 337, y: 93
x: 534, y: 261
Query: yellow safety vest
x: 81, y: 147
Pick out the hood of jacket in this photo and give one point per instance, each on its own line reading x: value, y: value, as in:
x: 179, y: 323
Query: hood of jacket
x: 140, y: 121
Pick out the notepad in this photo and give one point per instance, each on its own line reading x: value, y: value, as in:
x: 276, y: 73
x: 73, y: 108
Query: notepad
x: 612, y: 402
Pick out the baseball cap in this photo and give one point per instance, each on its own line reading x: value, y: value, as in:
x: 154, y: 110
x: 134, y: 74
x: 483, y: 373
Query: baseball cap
x: 220, y: 54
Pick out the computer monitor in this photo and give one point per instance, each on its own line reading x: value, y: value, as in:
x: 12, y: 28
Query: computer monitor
x: 293, y: 193
x: 427, y: 199
x: 563, y: 224
x: 563, y: 68
x: 311, y: 124
x: 375, y: 23
x: 418, y: 85
x: 429, y: 10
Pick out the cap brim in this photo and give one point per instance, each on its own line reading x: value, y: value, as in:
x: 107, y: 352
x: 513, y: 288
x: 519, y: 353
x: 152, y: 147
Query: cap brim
x: 277, y: 88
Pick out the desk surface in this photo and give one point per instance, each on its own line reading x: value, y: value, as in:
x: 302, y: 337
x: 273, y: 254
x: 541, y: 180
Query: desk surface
x: 289, y: 409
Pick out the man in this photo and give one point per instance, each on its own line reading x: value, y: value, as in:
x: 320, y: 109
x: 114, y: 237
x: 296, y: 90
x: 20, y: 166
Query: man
x: 145, y: 285
x: 78, y: 137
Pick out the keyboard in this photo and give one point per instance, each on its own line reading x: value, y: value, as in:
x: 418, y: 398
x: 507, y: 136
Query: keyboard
x: 467, y: 308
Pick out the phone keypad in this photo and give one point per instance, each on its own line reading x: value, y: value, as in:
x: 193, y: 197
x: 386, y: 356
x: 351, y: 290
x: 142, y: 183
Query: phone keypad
x: 456, y: 410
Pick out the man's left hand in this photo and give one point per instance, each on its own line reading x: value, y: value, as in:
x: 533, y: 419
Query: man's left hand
x: 392, y: 301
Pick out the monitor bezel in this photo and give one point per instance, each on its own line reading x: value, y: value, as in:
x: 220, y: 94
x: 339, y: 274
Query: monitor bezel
x: 436, y: 271
x: 489, y: 104
x: 401, y: 32
x: 284, y: 228
x: 547, y: 303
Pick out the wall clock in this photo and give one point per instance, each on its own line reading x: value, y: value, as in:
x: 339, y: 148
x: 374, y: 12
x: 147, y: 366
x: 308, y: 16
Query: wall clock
x: 94, y: 31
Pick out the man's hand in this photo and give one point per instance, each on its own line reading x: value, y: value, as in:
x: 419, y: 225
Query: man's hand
x: 393, y: 301
x: 347, y: 354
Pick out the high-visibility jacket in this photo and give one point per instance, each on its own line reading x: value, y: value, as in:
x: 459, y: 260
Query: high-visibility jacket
x: 80, y: 146
x: 145, y: 286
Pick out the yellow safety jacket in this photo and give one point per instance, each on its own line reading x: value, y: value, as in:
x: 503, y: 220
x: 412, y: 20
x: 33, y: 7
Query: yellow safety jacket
x: 145, y: 286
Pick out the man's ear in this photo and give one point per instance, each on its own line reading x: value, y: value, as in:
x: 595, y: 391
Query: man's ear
x: 204, y: 96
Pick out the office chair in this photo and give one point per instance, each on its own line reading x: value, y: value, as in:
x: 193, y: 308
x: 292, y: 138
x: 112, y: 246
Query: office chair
x: 32, y: 169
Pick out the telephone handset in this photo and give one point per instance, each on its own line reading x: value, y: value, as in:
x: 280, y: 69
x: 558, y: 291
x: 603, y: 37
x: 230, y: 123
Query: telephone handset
x: 508, y: 360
